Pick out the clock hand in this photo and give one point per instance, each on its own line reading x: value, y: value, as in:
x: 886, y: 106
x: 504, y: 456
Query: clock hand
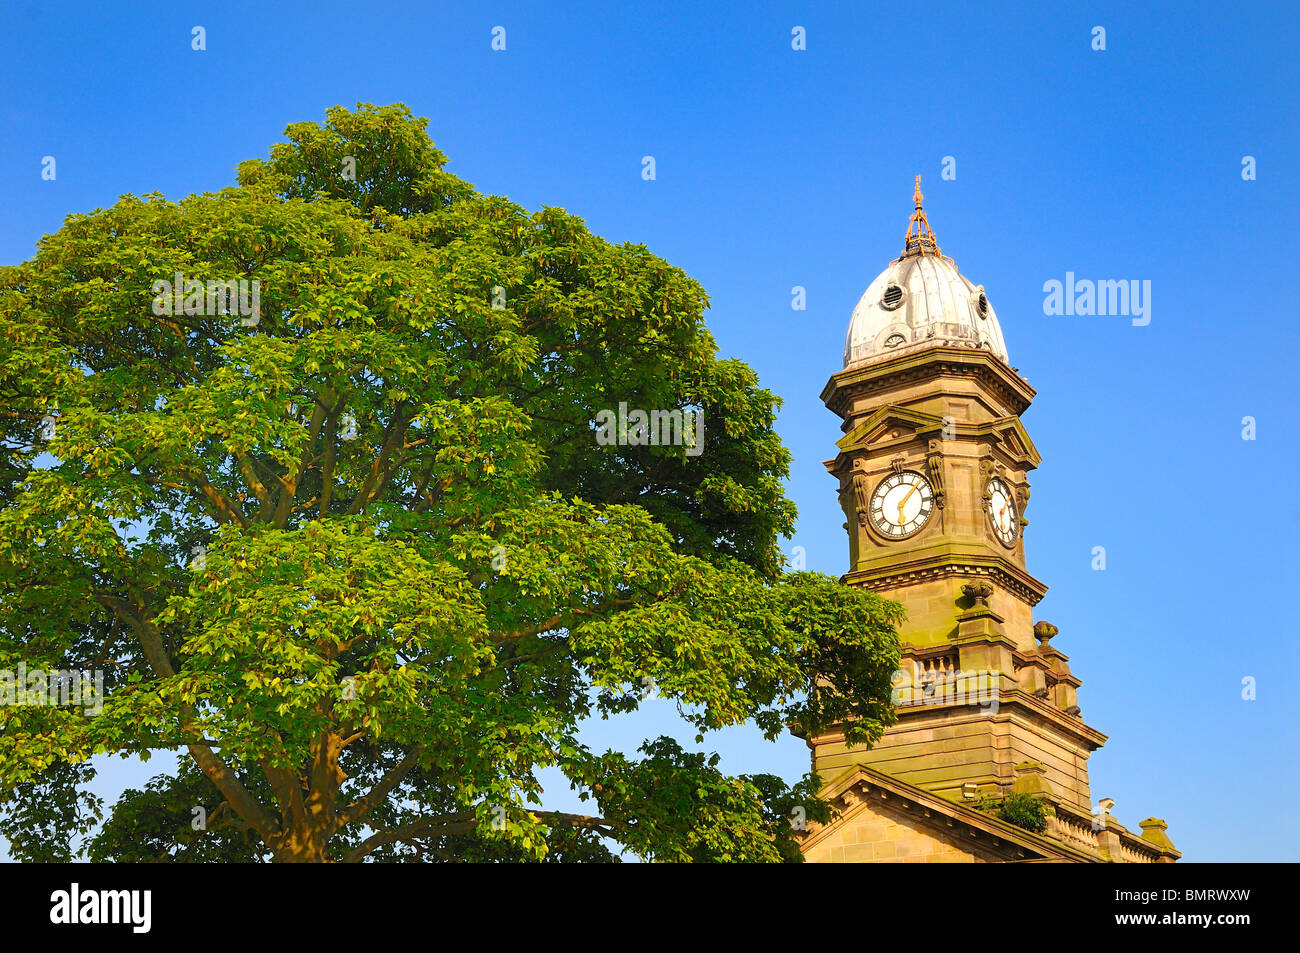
x: 905, y: 499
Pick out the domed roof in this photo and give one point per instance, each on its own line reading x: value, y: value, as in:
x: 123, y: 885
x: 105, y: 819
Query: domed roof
x: 919, y: 301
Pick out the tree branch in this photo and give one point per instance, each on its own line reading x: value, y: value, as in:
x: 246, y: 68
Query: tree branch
x: 378, y: 794
x: 461, y: 823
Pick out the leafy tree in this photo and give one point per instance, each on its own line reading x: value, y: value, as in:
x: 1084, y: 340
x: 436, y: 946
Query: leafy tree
x: 359, y: 556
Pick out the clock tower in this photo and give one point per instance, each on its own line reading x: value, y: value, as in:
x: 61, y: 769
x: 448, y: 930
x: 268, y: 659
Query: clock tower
x: 933, y: 471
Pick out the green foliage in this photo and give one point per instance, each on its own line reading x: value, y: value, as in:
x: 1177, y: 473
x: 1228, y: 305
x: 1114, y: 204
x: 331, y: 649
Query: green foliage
x: 161, y: 824
x: 1024, y: 811
x: 388, y: 632
x: 42, y: 817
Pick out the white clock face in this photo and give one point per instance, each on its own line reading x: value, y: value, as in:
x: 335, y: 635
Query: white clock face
x: 901, y: 504
x: 1002, y: 511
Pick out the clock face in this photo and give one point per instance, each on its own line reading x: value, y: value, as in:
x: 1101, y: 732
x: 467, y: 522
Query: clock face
x: 1002, y: 511
x: 901, y: 504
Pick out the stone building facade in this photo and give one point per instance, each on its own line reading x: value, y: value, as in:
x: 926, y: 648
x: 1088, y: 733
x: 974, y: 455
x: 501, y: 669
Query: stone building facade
x: 933, y: 478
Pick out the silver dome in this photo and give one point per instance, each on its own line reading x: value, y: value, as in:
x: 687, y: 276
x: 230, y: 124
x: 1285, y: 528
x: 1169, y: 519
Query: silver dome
x: 919, y: 301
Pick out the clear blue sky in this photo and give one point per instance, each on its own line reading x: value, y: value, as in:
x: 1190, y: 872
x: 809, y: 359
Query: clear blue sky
x: 779, y: 168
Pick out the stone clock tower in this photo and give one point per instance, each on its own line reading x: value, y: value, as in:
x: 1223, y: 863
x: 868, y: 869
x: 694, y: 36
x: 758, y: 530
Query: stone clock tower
x: 933, y: 472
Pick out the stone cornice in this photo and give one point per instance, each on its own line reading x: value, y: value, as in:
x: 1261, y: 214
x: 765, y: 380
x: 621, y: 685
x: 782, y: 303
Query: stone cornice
x: 971, y: 441
x: 1014, y: 702
x: 940, y: 361
x: 925, y: 567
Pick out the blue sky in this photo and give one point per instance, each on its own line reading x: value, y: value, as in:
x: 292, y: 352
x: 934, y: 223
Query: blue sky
x: 778, y: 168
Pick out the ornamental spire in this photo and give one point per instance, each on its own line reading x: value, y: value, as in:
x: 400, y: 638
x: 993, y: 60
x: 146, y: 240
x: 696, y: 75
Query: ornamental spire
x: 923, y: 242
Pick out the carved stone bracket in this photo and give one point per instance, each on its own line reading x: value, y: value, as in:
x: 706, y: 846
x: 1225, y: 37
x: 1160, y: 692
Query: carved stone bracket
x: 934, y: 467
x: 861, y: 496
x: 847, y: 503
x: 978, y: 593
x: 988, y: 468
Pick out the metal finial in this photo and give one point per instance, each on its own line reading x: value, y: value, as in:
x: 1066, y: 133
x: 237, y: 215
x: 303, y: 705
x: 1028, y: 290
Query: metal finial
x: 923, y: 242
